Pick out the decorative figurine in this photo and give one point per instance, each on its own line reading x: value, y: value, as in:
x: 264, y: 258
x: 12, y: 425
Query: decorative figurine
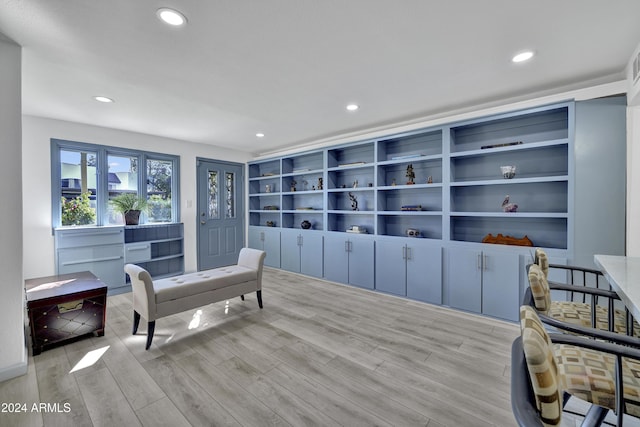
x: 393, y: 182
x: 355, y: 184
x: 320, y: 183
x: 430, y: 180
x: 293, y: 185
x: 304, y: 185
x: 410, y: 174
x: 306, y: 225
x: 354, y: 201
x: 508, y: 207
x: 267, y: 188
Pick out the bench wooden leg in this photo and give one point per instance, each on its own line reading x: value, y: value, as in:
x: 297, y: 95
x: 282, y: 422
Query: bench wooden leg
x: 136, y: 321
x: 259, y: 294
x: 151, y: 327
x: 242, y: 297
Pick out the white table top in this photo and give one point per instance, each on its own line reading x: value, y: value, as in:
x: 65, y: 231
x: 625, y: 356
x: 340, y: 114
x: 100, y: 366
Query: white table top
x: 623, y: 273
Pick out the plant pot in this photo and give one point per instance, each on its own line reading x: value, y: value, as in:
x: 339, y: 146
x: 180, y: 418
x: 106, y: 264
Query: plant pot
x: 132, y: 217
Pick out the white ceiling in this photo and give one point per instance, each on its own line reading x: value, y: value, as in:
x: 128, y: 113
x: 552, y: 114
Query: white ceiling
x: 289, y: 67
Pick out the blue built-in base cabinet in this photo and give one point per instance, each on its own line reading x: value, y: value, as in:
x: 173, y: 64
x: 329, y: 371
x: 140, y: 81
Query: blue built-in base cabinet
x: 406, y: 214
x: 410, y: 267
x: 104, y: 250
x: 301, y: 251
x: 348, y: 259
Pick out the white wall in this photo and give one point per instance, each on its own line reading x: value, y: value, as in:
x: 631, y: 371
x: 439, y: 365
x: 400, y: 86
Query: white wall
x: 13, y: 356
x: 633, y: 180
x: 37, y: 132
x: 633, y: 161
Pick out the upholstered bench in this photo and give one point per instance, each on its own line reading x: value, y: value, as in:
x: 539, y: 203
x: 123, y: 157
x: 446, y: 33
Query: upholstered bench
x: 153, y: 299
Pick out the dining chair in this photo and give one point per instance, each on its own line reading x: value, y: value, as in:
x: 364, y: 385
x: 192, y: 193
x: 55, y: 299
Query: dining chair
x: 547, y: 369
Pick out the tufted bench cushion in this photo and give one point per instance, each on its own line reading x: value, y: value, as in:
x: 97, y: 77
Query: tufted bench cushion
x: 154, y: 299
x: 204, y: 281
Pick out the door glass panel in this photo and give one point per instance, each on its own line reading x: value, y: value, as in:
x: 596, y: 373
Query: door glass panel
x: 78, y: 187
x: 122, y: 178
x: 159, y: 176
x: 230, y: 184
x: 213, y: 195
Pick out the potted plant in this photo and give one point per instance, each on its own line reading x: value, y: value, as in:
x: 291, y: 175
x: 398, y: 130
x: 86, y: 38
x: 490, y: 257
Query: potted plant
x: 130, y: 205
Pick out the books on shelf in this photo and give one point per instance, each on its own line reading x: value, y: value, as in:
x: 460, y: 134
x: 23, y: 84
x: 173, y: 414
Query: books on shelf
x: 408, y: 156
x: 411, y: 208
x: 342, y: 165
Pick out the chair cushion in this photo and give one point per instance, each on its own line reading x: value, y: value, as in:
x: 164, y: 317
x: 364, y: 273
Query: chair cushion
x: 194, y: 283
x: 542, y: 366
x: 539, y: 289
x: 589, y: 375
x: 580, y: 314
x: 543, y: 261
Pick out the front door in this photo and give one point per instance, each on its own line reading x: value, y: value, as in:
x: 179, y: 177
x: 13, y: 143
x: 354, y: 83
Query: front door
x: 220, y: 213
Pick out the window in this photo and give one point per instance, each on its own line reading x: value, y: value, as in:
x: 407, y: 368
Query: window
x: 85, y: 177
x: 77, y: 187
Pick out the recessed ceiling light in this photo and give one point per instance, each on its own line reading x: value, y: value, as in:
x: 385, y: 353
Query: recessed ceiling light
x: 523, y: 56
x: 260, y: 135
x: 352, y: 107
x: 171, y: 16
x: 102, y: 99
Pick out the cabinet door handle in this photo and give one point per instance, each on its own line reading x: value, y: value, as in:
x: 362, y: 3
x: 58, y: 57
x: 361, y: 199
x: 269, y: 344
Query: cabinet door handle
x: 346, y: 246
x: 138, y: 248
x: 262, y: 236
x: 404, y: 252
x: 300, y: 241
x: 479, y: 262
x: 408, y: 253
x: 484, y: 262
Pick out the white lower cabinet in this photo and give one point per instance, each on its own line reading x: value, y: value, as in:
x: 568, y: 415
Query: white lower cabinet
x: 484, y: 281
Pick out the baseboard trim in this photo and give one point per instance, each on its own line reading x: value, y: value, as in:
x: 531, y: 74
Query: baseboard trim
x: 15, y: 370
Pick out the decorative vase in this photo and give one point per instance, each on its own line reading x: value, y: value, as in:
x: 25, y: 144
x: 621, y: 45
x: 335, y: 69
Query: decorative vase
x: 132, y: 217
x: 412, y: 232
x: 305, y: 224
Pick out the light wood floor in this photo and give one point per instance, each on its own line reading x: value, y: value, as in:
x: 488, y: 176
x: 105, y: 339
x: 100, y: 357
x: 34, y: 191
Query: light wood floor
x: 318, y: 354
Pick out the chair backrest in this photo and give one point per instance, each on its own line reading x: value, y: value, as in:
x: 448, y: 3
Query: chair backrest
x: 523, y: 400
x: 542, y: 260
x: 543, y: 370
x: 539, y: 288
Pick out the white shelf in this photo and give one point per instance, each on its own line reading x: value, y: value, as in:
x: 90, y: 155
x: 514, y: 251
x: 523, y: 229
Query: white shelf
x: 511, y: 214
x: 510, y: 148
x: 502, y: 181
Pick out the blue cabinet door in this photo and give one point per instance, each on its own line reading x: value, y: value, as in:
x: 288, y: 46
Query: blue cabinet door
x: 465, y: 279
x: 271, y: 247
x: 501, y: 285
x: 391, y: 266
x: 266, y: 239
x: 361, y: 258
x: 424, y: 271
x: 290, y: 250
x: 311, y: 253
x: 336, y: 258
x: 255, y: 238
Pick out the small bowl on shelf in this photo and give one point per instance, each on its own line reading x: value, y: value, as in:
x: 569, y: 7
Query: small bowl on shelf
x: 508, y: 172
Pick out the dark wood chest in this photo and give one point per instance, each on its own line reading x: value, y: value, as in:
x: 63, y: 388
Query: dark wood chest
x: 64, y: 308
